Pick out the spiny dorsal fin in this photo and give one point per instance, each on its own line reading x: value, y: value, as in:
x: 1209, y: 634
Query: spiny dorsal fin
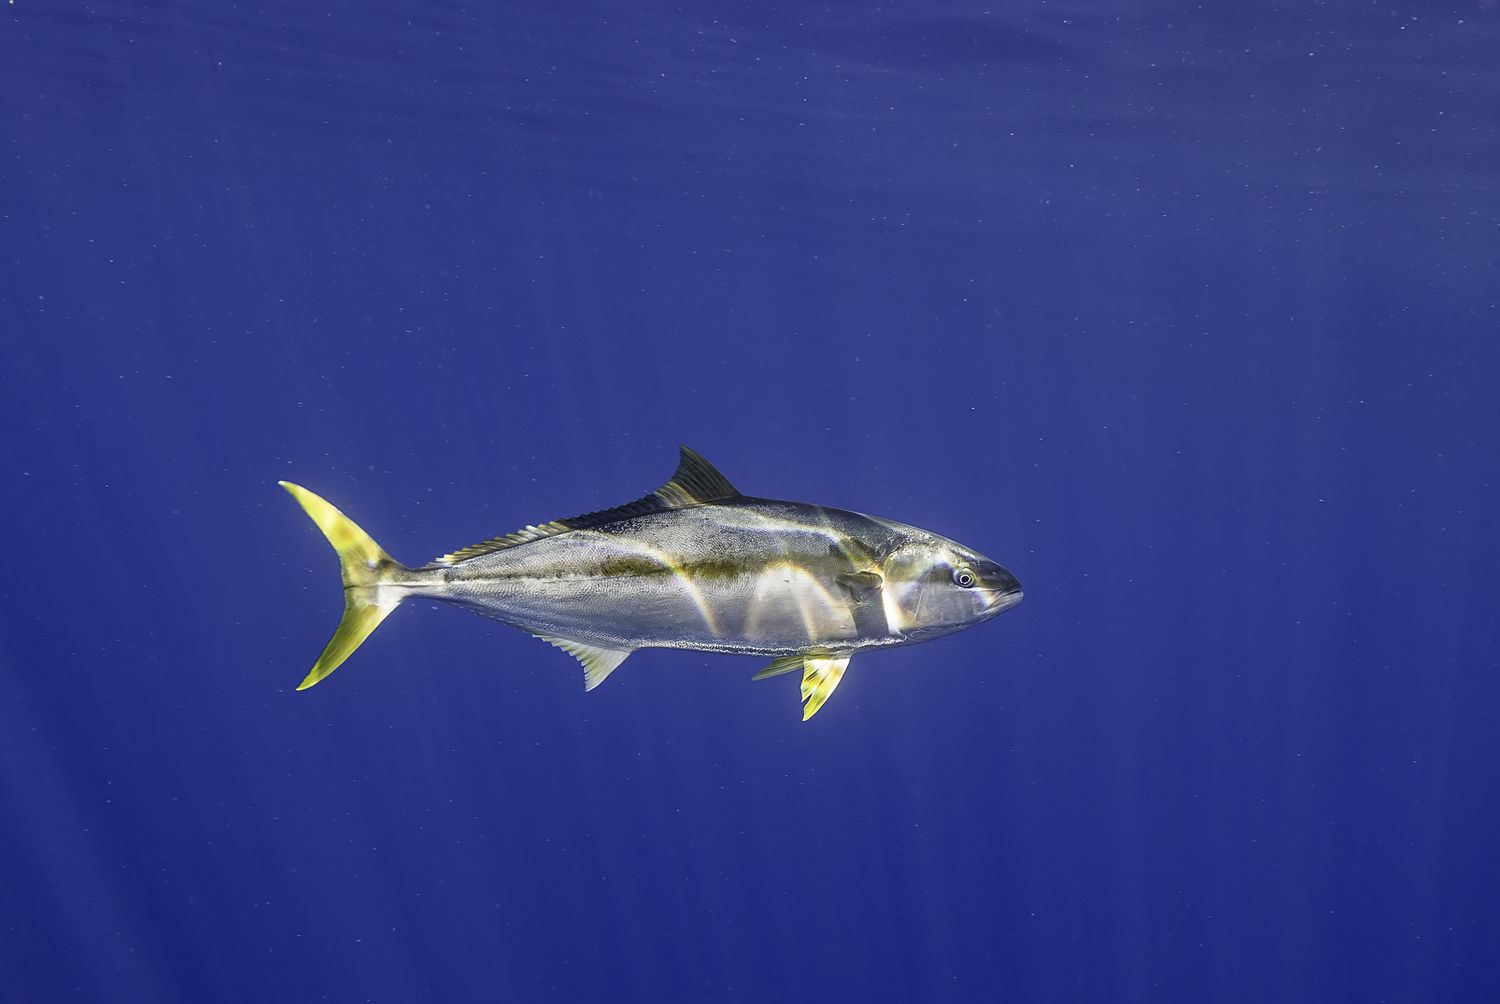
x: 598, y: 662
x: 696, y: 481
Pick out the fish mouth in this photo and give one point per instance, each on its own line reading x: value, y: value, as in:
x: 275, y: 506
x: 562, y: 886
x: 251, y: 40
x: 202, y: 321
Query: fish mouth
x: 999, y: 600
x: 999, y: 589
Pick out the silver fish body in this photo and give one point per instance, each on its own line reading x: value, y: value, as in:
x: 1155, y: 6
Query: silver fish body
x: 695, y: 565
x: 752, y: 576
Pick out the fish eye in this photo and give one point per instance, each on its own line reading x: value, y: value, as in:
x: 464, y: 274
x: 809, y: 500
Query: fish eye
x: 964, y: 577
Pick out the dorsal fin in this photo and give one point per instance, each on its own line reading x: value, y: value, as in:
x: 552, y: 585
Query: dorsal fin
x: 695, y: 482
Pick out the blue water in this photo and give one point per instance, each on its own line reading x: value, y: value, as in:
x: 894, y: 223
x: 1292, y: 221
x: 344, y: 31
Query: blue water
x: 1186, y: 314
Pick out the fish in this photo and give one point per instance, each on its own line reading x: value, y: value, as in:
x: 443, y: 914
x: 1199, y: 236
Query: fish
x: 693, y: 565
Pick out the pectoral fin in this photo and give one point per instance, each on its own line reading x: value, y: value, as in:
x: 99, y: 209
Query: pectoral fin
x: 866, y: 602
x: 820, y: 674
x: 598, y: 662
x: 786, y: 664
x: 862, y: 587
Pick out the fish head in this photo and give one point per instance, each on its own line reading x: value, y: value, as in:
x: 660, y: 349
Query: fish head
x: 936, y: 586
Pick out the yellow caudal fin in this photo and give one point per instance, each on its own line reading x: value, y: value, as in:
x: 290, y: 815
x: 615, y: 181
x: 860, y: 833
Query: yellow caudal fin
x: 369, y: 579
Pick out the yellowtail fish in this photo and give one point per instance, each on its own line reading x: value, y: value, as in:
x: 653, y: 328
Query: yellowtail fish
x: 693, y: 565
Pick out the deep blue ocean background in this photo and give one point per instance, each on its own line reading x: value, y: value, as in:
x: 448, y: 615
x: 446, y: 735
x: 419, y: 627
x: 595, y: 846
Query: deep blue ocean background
x: 1185, y: 313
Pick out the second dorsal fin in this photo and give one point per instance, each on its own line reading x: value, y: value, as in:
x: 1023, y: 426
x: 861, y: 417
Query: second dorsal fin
x: 695, y: 482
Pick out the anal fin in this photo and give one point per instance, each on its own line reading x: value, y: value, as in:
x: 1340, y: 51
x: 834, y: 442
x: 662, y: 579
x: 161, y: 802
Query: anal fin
x: 598, y: 662
x: 820, y: 675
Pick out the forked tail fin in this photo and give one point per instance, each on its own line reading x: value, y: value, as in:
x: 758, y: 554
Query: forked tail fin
x: 370, y: 577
